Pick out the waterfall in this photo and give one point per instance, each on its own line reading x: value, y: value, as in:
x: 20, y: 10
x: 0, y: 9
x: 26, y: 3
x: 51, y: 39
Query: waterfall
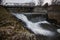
x: 35, y: 27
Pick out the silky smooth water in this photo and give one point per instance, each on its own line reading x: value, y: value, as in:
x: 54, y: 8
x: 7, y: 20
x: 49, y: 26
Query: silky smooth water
x: 35, y: 27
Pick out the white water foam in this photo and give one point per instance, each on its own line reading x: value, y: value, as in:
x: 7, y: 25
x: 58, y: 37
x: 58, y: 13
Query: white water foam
x: 35, y: 27
x: 58, y: 30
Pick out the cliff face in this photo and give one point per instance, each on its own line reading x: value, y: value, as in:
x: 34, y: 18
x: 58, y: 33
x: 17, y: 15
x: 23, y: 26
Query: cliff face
x: 54, y: 13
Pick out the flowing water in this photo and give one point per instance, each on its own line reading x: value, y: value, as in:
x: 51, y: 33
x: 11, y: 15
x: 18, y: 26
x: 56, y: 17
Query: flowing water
x: 35, y: 23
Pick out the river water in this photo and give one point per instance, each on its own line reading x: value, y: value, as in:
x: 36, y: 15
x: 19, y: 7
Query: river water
x: 37, y: 24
